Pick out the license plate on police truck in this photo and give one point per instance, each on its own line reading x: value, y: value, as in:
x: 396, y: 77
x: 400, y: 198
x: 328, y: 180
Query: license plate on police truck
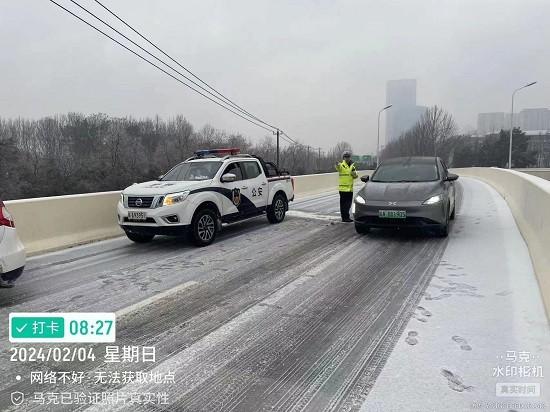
x: 136, y: 215
x: 392, y: 214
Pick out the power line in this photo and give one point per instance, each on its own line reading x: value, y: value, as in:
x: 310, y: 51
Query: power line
x: 236, y: 107
x: 154, y: 65
x: 288, y: 141
x: 291, y: 139
x: 224, y: 100
x: 229, y: 101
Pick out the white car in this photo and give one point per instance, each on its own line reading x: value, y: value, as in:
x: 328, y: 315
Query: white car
x: 196, y: 196
x: 12, y: 251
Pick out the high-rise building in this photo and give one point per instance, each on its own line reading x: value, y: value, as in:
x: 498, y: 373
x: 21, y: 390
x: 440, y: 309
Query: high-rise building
x: 404, y: 113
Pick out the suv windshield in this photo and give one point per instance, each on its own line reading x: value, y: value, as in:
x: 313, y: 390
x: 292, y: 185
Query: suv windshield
x: 403, y: 172
x: 193, y: 171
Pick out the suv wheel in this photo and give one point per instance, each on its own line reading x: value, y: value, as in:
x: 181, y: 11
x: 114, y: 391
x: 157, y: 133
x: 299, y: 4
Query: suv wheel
x: 203, y: 227
x: 443, y: 230
x: 276, y: 212
x: 454, y: 212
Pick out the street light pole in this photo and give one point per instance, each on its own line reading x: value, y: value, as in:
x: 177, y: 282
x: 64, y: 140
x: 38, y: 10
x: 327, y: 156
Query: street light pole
x: 378, y: 135
x: 512, y: 123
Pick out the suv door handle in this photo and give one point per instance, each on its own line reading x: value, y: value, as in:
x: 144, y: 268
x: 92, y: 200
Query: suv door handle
x: 244, y: 187
x: 264, y: 183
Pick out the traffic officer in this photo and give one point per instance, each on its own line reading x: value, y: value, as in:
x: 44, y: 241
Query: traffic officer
x: 346, y: 175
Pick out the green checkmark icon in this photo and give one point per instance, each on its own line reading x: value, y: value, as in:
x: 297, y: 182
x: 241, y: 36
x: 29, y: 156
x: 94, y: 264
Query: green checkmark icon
x: 21, y: 329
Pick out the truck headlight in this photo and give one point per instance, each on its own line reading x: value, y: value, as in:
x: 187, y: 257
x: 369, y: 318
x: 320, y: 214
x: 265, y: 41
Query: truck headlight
x: 433, y: 200
x: 361, y: 200
x: 175, y: 198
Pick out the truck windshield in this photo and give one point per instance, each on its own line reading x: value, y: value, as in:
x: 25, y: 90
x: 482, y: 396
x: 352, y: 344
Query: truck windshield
x: 193, y: 171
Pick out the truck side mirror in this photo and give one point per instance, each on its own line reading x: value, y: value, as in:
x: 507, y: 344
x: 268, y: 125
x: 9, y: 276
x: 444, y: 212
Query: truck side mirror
x: 228, y: 178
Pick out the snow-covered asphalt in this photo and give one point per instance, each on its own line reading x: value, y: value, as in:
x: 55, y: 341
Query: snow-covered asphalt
x: 297, y: 316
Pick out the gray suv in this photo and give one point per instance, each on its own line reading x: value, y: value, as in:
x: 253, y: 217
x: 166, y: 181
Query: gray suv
x: 407, y: 192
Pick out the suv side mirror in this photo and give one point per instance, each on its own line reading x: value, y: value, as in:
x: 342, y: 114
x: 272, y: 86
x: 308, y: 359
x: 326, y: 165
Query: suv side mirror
x: 228, y: 177
x: 451, y: 177
x: 365, y: 178
x: 160, y: 177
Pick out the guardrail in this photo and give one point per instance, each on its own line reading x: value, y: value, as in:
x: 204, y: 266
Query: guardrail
x: 56, y: 222
x: 529, y: 200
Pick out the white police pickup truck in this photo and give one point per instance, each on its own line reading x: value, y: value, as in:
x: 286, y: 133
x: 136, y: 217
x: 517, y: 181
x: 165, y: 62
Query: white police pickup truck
x: 196, y: 196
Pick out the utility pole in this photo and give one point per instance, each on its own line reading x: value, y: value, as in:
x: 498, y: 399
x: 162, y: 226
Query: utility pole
x: 277, y: 148
x: 319, y: 160
x: 307, y: 161
x: 540, y: 156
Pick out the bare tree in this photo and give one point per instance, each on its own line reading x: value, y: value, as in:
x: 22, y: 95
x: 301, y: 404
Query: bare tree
x: 74, y: 153
x: 428, y: 137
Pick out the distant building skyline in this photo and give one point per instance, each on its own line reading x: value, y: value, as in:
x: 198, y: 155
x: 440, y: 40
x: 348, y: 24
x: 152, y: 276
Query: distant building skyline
x: 404, y: 113
x: 526, y: 119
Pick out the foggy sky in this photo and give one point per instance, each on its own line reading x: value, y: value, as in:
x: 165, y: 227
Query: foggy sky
x: 317, y: 69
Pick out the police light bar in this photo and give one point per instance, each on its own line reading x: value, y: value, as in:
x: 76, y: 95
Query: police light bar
x: 230, y: 151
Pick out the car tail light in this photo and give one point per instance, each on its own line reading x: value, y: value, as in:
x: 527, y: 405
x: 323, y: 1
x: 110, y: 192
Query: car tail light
x: 5, y: 217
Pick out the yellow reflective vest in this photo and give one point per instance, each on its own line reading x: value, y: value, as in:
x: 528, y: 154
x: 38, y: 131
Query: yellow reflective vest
x: 346, y: 174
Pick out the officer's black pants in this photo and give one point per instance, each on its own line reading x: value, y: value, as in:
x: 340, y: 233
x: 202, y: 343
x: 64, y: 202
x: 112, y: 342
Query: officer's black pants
x: 345, y: 203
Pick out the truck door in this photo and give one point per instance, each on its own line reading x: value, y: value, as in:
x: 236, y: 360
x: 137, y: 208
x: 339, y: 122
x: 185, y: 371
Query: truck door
x: 233, y: 209
x: 256, y: 183
x: 240, y: 193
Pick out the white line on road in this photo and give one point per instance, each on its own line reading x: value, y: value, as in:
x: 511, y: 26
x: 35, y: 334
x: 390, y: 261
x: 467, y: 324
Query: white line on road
x: 306, y: 215
x: 154, y: 298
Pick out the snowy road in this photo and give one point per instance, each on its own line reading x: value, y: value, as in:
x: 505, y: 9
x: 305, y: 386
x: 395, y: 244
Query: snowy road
x: 297, y: 316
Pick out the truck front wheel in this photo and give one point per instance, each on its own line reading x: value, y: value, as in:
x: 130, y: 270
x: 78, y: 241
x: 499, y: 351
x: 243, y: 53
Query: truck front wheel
x: 203, y: 227
x: 276, y: 212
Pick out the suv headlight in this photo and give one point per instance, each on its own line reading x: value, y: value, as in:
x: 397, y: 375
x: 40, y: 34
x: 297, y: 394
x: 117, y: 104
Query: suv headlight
x: 174, y: 198
x: 433, y: 200
x: 361, y: 200
x: 121, y: 198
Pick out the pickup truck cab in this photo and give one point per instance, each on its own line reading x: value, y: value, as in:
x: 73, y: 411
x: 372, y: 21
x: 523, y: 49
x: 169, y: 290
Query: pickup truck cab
x: 196, y: 196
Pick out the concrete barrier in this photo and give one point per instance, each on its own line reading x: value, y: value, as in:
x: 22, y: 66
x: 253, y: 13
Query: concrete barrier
x: 49, y: 223
x: 539, y: 172
x: 305, y: 185
x: 529, y: 200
